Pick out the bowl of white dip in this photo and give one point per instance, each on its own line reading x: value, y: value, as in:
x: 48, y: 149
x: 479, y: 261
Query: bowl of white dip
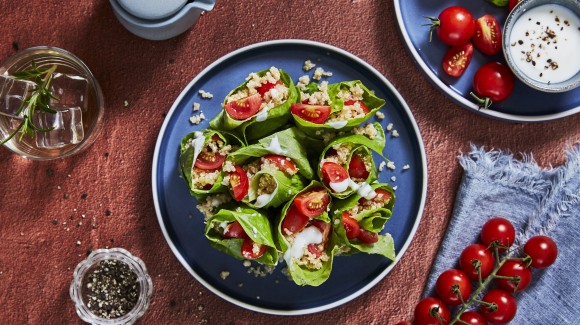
x: 541, y: 44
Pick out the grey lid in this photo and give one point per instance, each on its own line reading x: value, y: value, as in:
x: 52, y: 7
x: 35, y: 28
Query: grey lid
x: 152, y: 9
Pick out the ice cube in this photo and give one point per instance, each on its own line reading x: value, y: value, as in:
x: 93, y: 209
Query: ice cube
x: 12, y: 93
x: 71, y: 90
x: 66, y: 124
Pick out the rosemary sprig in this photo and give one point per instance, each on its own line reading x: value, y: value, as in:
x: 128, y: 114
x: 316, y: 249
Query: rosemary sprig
x: 39, y: 99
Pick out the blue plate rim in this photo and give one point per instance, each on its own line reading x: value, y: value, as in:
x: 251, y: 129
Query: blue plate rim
x: 457, y: 98
x: 246, y: 305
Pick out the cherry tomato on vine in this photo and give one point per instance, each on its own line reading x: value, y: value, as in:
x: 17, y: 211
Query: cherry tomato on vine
x: 506, y: 307
x: 487, y: 36
x: 517, y: 270
x: 432, y: 311
x: 493, y: 82
x: 447, y: 281
x: 454, y: 26
x: 473, y: 255
x: 473, y: 318
x: 457, y: 59
x: 500, y: 230
x: 543, y: 251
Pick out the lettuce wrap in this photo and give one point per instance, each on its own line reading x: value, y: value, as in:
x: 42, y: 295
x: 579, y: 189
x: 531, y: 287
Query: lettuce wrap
x: 371, y: 215
x: 359, y: 144
x: 256, y: 225
x: 190, y: 148
x: 337, y: 122
x: 263, y: 122
x: 304, y: 266
x: 282, y: 185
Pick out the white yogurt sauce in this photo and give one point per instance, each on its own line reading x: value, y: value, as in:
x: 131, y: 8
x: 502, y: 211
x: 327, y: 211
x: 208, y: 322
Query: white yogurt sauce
x: 275, y: 148
x: 310, y: 235
x: 198, y: 143
x: 340, y: 186
x: 262, y: 116
x: 545, y: 42
x: 264, y: 199
x: 337, y: 124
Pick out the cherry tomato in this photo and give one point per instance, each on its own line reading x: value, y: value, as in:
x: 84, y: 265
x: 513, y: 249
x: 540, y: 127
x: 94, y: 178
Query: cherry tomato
x: 364, y: 107
x: 333, y: 173
x: 235, y: 230
x: 251, y: 250
x: 457, y: 59
x: 294, y: 221
x: 476, y: 254
x: 383, y: 197
x: 487, y: 36
x: 351, y: 226
x: 325, y: 229
x: 432, y: 311
x: 239, y: 183
x: 244, y: 108
x: 312, y: 113
x: 454, y: 26
x: 404, y: 323
x: 517, y: 270
x: 264, y: 88
x: 449, y: 280
x: 209, y: 160
x: 357, y: 168
x: 513, y: 3
x: 493, y: 82
x: 282, y: 163
x: 543, y: 251
x: 498, y: 230
x: 473, y: 318
x: 368, y: 237
x: 312, y: 203
x: 505, y: 303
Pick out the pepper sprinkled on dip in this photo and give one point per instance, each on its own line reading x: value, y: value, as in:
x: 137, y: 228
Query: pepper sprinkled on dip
x: 545, y: 42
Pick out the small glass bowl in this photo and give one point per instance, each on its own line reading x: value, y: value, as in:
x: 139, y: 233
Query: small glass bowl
x: 134, y: 263
x: 521, y: 8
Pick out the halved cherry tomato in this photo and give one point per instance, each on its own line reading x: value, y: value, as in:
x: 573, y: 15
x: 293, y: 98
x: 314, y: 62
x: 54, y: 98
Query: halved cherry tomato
x: 350, y: 226
x: 283, y: 163
x: 209, y: 160
x: 383, y: 197
x: 364, y: 107
x: 239, y: 183
x: 493, y: 82
x: 368, y: 237
x: 294, y: 221
x: 324, y: 228
x: 235, y: 230
x: 357, y: 168
x: 244, y: 108
x: 264, y: 88
x: 457, y: 59
x: 248, y: 249
x: 487, y: 36
x: 312, y: 203
x: 454, y: 26
x: 312, y: 113
x: 333, y: 173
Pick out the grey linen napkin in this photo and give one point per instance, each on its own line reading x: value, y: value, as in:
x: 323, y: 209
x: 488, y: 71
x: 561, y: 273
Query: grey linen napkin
x: 537, y: 201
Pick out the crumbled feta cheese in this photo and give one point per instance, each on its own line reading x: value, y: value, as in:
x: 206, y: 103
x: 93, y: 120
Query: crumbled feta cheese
x: 205, y: 94
x: 389, y: 126
x: 196, y: 106
x: 391, y: 165
x: 380, y: 115
x: 308, y: 65
x: 395, y: 133
x: 382, y: 166
x: 406, y: 167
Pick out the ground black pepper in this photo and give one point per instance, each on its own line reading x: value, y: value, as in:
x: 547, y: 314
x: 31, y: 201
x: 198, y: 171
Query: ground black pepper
x: 112, y: 289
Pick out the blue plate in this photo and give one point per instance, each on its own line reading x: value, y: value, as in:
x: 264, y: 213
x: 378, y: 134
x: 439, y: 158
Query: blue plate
x: 183, y: 225
x: 524, y: 105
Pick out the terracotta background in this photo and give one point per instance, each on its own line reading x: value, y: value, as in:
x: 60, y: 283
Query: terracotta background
x: 37, y: 257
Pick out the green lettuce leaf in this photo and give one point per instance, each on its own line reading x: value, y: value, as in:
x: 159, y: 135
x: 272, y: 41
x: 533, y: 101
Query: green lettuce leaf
x: 250, y: 129
x: 336, y: 104
x: 301, y: 274
x: 256, y: 225
x: 499, y: 3
x: 188, y: 155
x: 371, y: 220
